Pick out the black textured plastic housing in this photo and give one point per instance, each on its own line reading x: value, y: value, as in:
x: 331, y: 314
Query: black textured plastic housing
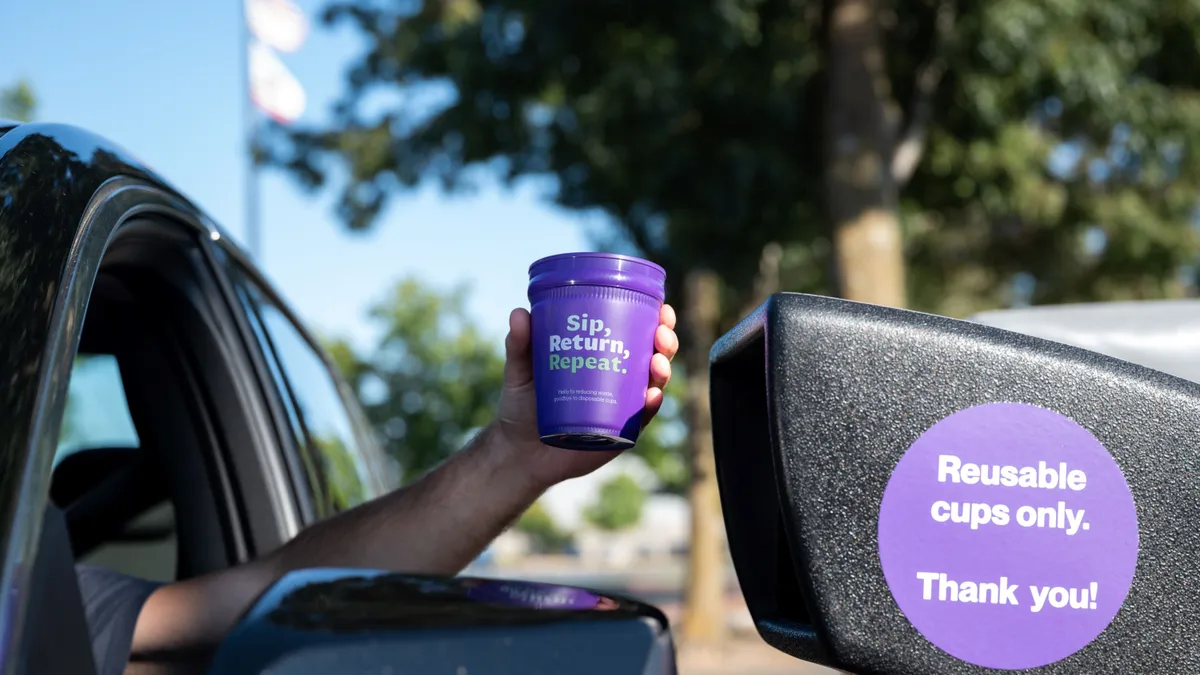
x: 814, y: 402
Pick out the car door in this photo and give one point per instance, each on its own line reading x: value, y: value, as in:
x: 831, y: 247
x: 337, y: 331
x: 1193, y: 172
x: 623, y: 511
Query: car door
x: 40, y: 313
x: 96, y: 252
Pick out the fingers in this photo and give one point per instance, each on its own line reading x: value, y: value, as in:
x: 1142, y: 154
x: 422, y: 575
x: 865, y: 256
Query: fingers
x: 518, y: 357
x: 660, y: 371
x: 666, y: 345
x: 666, y: 342
x: 666, y: 316
x: 654, y: 401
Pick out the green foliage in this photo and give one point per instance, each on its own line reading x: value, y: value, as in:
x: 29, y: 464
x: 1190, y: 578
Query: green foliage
x: 1062, y: 157
x: 431, y: 381
x: 18, y: 102
x: 346, y: 487
x: 346, y: 360
x: 433, y: 378
x: 1061, y: 144
x: 661, y: 443
x: 619, y: 504
x: 692, y: 126
x: 546, y: 535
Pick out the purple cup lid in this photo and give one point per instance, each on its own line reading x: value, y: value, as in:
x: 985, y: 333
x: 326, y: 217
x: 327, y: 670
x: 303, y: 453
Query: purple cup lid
x: 597, y: 269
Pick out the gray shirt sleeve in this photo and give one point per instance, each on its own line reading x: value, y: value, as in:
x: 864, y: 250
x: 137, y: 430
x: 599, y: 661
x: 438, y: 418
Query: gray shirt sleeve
x: 112, y: 602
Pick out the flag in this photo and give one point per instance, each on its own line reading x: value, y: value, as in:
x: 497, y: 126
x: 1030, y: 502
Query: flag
x: 279, y: 24
x: 273, y: 88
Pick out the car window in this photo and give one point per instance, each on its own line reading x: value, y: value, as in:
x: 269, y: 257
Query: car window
x: 97, y: 414
x: 335, y: 464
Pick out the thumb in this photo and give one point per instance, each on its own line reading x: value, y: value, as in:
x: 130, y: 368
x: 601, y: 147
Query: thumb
x: 518, y: 356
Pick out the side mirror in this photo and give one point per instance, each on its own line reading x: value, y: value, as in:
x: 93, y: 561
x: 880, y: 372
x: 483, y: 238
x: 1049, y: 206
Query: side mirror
x: 353, y: 620
x: 907, y: 493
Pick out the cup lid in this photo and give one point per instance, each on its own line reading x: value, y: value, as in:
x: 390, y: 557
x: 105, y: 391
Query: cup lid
x: 602, y: 269
x: 587, y: 260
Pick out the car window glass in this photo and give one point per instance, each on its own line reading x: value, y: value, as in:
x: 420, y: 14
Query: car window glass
x: 312, y: 474
x: 334, y: 459
x: 96, y: 414
x: 331, y: 436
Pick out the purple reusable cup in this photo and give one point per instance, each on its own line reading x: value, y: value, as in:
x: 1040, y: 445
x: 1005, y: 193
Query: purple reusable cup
x: 594, y: 317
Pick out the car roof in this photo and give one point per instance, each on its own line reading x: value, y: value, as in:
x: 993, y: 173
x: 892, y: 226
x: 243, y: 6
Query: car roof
x: 1159, y: 334
x: 85, y: 144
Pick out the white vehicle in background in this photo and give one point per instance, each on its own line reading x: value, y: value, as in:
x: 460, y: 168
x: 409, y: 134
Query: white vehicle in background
x: 1159, y: 334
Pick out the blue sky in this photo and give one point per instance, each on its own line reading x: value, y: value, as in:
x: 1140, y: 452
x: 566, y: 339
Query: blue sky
x: 164, y: 80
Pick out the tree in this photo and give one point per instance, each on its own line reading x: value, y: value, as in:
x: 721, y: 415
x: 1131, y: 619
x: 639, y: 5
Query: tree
x: 544, y: 533
x: 18, y: 102
x: 339, y: 470
x: 432, y: 380
x: 1027, y: 150
x: 661, y: 444
x: 618, y: 505
x: 648, y: 127
x: 434, y: 377
x: 1061, y: 151
x: 434, y: 372
x: 861, y: 196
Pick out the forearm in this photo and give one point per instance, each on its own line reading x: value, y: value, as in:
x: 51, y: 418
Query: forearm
x: 437, y: 525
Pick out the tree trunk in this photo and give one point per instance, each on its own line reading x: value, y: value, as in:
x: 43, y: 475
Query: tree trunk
x: 861, y: 195
x: 704, y: 619
x: 766, y: 282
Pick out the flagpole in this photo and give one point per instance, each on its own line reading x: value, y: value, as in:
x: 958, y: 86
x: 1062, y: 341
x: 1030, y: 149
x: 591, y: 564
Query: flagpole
x: 253, y: 214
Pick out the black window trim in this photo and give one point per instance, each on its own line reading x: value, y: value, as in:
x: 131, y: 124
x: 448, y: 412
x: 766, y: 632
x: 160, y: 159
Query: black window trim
x: 225, y: 400
x: 382, y: 472
x: 280, y: 423
x: 116, y: 202
x: 303, y: 473
x: 233, y: 401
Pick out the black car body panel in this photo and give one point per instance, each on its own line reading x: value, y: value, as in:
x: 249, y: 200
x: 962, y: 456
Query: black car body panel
x: 329, y: 620
x: 64, y: 194
x: 49, y: 174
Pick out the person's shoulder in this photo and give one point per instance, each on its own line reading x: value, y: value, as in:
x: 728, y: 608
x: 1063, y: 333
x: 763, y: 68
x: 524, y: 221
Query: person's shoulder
x: 112, y: 602
x: 97, y: 582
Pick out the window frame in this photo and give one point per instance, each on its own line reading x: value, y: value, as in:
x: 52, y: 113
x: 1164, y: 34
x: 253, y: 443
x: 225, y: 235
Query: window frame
x: 382, y: 475
x: 119, y: 203
x: 65, y: 195
x: 280, y: 384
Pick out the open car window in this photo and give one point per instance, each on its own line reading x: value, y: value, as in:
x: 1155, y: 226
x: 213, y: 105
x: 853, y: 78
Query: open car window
x: 97, y: 412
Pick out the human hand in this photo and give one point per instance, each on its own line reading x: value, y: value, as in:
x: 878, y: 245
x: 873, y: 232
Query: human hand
x: 517, y: 421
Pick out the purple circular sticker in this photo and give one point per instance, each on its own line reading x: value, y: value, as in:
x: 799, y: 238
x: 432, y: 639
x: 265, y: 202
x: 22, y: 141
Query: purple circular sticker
x: 1008, y: 536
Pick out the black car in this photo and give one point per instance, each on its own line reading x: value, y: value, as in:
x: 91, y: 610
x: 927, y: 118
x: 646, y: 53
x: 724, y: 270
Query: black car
x: 237, y: 434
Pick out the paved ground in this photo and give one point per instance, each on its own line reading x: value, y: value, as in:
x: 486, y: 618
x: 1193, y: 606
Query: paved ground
x: 744, y: 655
